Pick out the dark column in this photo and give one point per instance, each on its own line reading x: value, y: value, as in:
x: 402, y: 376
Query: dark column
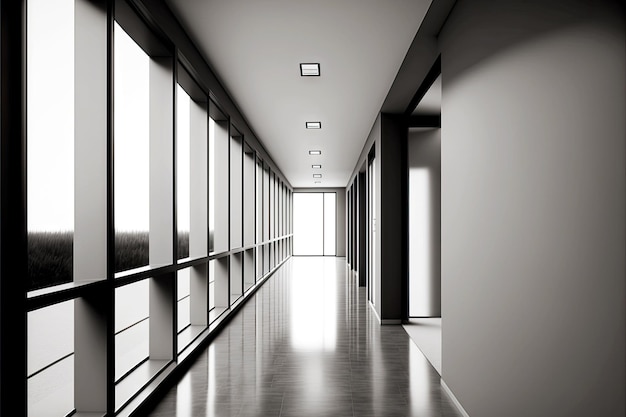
x: 362, y: 231
x: 13, y: 249
x: 392, y: 228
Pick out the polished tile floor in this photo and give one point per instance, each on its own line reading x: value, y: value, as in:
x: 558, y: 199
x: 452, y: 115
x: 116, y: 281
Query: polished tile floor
x: 307, y: 344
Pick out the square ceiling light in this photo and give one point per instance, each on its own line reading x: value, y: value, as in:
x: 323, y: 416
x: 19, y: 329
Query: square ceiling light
x: 317, y: 175
x: 315, y: 152
x: 310, y: 70
x: 313, y: 125
x: 316, y: 166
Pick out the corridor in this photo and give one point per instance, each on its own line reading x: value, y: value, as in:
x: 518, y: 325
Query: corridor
x: 307, y: 344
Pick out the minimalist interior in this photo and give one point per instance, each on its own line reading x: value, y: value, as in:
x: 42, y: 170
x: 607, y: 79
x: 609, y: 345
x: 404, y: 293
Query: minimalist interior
x: 295, y: 208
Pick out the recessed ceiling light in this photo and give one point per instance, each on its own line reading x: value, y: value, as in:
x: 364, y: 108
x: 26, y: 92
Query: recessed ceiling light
x: 315, y: 152
x: 317, y: 175
x: 316, y: 166
x: 310, y: 70
x: 313, y: 125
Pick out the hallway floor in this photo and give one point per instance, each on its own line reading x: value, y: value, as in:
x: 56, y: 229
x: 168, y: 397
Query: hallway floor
x: 308, y: 344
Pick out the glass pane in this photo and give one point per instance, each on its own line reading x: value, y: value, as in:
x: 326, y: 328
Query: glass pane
x: 259, y: 262
x: 236, y: 192
x: 132, y: 153
x: 249, y: 195
x: 219, y: 298
x: 198, y: 180
x: 236, y: 281
x: 259, y: 201
x: 131, y: 326
x: 182, y: 171
x: 51, y: 360
x: 266, y: 203
x: 50, y: 156
x: 218, y: 185
x: 248, y: 269
x: 184, y: 318
x: 211, y: 184
x: 308, y: 224
x: 211, y: 285
x: 329, y: 223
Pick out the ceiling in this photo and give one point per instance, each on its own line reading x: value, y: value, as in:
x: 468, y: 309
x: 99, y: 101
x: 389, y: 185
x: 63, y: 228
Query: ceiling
x: 256, y: 46
x: 430, y: 104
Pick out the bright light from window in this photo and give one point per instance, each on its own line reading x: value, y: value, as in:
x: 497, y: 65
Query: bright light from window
x: 132, y: 130
x: 50, y: 125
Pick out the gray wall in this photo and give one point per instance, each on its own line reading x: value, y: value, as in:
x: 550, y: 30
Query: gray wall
x: 391, y: 180
x: 424, y: 263
x: 388, y: 136
x: 533, y: 207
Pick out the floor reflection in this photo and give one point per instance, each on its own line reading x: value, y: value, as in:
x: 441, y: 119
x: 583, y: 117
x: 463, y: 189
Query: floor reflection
x: 307, y: 344
x: 313, y: 307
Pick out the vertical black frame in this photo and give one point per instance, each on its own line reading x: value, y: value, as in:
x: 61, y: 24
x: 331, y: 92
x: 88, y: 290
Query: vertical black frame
x: 13, y: 243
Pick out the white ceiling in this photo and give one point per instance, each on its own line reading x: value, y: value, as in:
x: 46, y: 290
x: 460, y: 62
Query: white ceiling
x: 255, y: 47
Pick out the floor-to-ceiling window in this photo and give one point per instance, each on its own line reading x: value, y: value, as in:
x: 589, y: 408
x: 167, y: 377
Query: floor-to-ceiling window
x: 314, y: 223
x: 145, y: 209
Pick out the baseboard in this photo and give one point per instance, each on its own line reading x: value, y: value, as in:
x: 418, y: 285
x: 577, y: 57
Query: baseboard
x: 456, y: 402
x: 385, y: 321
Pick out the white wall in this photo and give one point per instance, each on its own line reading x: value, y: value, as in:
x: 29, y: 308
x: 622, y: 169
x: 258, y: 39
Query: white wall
x: 424, y: 163
x: 533, y: 207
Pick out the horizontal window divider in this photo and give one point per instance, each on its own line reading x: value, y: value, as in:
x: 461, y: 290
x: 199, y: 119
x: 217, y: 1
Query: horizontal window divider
x: 237, y: 250
x: 276, y: 239
x: 133, y: 369
x: 50, y: 365
x: 183, y: 329
x: 63, y: 292
x: 192, y: 262
x: 146, y: 272
x: 132, y: 325
x: 182, y: 298
x: 45, y: 297
x: 191, y: 259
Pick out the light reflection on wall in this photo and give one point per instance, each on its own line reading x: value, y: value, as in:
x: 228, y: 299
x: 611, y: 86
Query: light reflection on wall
x: 313, y: 310
x: 420, y: 259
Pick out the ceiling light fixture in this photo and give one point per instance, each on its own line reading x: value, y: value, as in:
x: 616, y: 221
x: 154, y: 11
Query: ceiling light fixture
x: 313, y: 125
x: 310, y: 69
x: 317, y: 175
x: 315, y: 152
x: 316, y: 166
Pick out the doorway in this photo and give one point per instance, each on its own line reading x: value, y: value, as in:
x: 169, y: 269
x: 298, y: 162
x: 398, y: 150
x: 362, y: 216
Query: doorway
x: 314, y: 224
x: 371, y: 222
